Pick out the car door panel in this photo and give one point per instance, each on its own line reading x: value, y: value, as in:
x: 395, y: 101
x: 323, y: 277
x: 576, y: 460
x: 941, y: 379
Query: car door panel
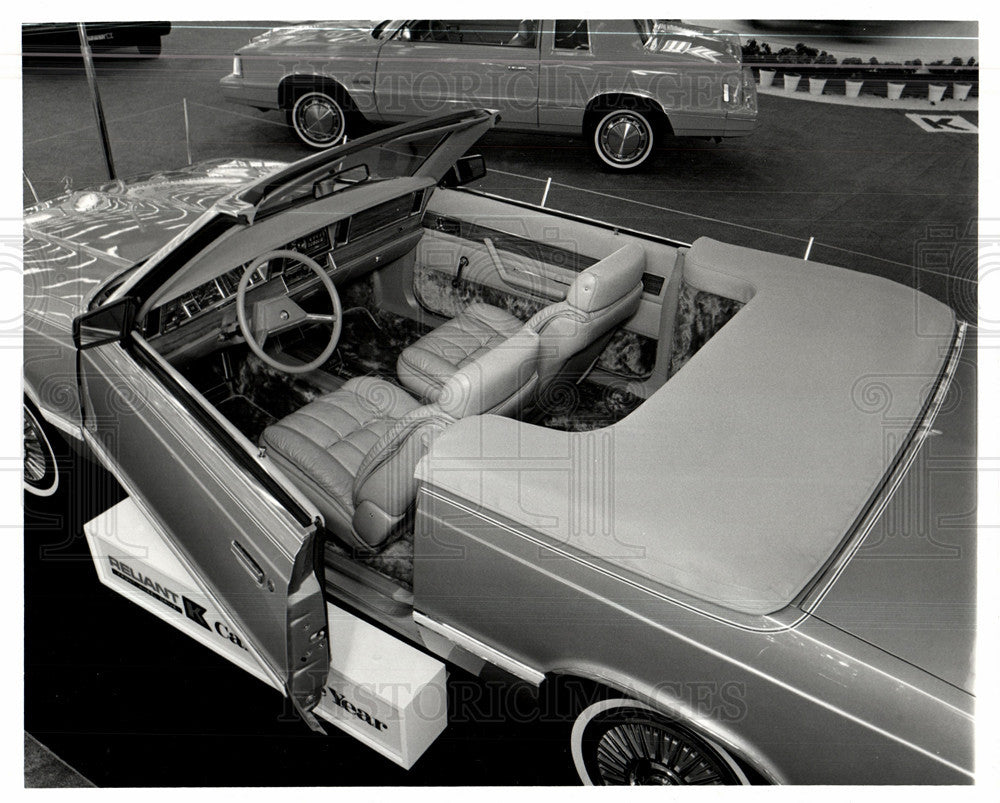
x: 419, y: 78
x: 251, y: 554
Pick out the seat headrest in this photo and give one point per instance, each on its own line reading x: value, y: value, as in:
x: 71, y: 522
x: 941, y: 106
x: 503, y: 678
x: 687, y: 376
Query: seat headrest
x: 609, y: 280
x: 488, y: 381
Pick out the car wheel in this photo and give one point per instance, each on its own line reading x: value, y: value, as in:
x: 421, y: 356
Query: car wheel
x: 41, y: 472
x: 623, y: 138
x: 319, y: 119
x: 624, y: 742
x: 151, y: 47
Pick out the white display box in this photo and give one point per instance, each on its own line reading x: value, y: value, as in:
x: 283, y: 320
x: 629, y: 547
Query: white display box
x: 382, y: 691
x: 132, y: 558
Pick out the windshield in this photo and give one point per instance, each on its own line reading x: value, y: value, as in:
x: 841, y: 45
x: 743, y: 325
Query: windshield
x: 399, y: 152
x: 395, y: 159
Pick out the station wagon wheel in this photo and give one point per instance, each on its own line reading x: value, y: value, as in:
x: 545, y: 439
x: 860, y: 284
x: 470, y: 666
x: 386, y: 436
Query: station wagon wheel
x: 623, y: 742
x: 319, y: 119
x: 41, y: 473
x: 623, y: 138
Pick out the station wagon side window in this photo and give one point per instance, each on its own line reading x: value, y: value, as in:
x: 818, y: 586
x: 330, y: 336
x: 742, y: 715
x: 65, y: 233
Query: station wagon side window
x: 492, y: 33
x: 572, y: 35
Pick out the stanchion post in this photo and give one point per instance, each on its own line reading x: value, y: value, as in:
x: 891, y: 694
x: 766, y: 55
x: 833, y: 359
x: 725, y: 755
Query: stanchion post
x: 88, y: 66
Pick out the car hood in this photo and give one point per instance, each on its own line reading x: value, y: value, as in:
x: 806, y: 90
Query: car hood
x: 78, y: 240
x: 313, y: 35
x: 911, y: 588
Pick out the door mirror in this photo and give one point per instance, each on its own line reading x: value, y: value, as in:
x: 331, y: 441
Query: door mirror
x: 466, y: 169
x: 106, y: 324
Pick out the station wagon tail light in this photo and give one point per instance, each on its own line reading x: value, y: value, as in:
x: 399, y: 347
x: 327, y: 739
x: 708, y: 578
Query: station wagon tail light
x: 237, y: 66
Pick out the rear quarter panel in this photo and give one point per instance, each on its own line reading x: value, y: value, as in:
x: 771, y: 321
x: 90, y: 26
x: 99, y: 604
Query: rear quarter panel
x: 798, y: 699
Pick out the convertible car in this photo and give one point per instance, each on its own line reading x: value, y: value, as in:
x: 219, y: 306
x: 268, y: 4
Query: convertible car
x: 374, y: 425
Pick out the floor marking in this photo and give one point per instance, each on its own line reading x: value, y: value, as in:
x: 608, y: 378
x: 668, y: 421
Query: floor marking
x: 943, y: 123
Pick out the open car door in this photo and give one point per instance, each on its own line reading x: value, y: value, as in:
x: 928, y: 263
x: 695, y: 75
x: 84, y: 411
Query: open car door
x: 246, y: 540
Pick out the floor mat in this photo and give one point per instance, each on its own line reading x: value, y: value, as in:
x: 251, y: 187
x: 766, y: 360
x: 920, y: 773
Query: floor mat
x: 370, y: 343
x: 584, y: 406
x: 394, y: 562
x: 246, y: 416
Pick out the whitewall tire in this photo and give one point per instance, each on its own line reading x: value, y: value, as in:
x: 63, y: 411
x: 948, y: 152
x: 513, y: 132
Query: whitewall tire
x: 319, y: 119
x: 625, y: 742
x: 41, y: 471
x: 623, y: 139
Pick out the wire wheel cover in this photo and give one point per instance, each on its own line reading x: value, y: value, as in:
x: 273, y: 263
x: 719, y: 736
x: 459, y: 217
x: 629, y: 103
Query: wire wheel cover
x: 641, y: 752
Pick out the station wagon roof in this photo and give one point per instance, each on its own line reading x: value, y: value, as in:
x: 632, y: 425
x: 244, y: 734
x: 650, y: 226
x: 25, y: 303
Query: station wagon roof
x: 738, y: 480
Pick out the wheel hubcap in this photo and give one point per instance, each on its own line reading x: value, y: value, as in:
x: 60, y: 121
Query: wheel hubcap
x: 321, y: 122
x: 634, y: 753
x: 35, y: 450
x: 624, y: 138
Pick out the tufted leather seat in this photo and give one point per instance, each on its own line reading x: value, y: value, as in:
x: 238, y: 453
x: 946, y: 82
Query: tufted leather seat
x: 573, y: 332
x: 353, y: 452
x: 425, y: 365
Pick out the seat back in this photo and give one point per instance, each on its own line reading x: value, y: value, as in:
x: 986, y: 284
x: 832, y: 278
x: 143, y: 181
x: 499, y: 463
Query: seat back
x: 500, y: 381
x: 574, y: 332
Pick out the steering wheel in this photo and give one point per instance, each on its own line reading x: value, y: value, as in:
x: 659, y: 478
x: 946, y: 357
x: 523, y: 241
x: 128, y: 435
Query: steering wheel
x: 272, y: 316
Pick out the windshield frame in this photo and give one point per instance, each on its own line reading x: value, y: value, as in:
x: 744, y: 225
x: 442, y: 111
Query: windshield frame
x: 284, y: 188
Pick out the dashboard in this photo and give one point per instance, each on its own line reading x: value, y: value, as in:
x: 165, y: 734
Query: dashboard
x: 350, y: 239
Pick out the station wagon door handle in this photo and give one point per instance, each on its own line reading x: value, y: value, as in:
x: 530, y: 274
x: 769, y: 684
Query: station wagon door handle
x: 516, y: 67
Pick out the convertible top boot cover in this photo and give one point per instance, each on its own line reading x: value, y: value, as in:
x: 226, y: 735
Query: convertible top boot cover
x: 598, y: 300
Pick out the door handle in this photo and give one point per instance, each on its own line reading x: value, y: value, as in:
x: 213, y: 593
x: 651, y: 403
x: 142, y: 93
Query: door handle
x: 246, y: 560
x: 457, y: 279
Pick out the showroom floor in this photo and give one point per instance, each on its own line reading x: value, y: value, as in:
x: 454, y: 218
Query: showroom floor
x: 870, y: 190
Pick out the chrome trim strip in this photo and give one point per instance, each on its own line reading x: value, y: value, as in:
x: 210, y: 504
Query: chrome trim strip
x: 601, y: 224
x: 64, y: 425
x: 479, y: 649
x: 814, y: 595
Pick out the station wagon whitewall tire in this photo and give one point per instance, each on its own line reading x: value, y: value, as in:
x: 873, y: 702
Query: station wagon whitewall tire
x: 319, y: 119
x: 623, y: 138
x: 41, y: 472
x: 624, y: 742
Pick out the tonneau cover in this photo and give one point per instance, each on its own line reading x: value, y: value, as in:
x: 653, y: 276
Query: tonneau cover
x: 738, y: 479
